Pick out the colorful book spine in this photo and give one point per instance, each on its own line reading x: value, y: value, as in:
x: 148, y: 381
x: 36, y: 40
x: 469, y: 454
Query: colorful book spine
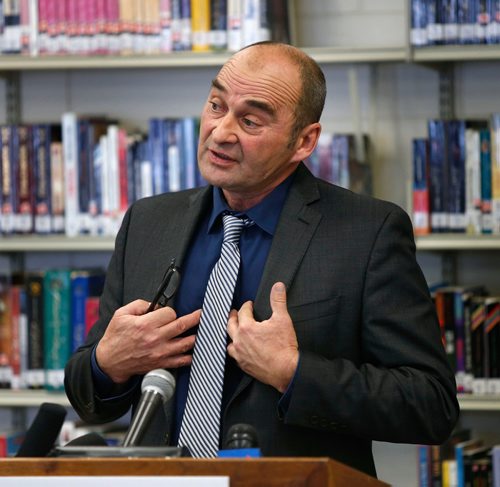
x: 12, y: 30
x: 234, y: 25
x: 186, y: 31
x: 478, y: 346
x: 174, y: 171
x: 41, y: 175
x: 495, y: 173
x: 58, y: 199
x: 466, y: 19
x: 57, y: 326
x: 486, y: 216
x: 24, y: 181
x: 450, y: 21
x: 421, y: 196
x: 492, y: 341
x: 435, y: 34
x: 165, y: 26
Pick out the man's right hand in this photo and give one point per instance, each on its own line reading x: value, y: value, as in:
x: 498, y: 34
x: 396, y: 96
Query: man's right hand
x: 136, y: 342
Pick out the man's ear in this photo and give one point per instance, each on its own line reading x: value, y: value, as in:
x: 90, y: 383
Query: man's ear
x: 306, y: 141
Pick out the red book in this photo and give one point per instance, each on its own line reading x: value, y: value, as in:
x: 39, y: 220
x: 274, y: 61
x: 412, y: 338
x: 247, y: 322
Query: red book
x: 91, y: 312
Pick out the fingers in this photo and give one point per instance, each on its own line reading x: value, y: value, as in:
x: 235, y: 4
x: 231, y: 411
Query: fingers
x: 180, y: 325
x: 137, y: 308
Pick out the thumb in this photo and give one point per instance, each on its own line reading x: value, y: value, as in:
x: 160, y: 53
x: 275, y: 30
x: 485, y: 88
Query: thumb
x: 278, y: 298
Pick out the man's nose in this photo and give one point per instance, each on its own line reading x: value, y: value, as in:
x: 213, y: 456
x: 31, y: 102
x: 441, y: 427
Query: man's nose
x: 225, y: 130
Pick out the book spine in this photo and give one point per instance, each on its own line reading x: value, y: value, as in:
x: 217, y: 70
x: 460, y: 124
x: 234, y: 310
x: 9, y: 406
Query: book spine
x: 186, y: 31
x: 200, y: 24
x: 421, y: 203
x: 438, y: 176
x: 126, y: 26
x: 218, y: 25
x: 466, y: 18
x: 71, y: 188
x: 12, y: 30
x: 91, y: 312
x: 495, y: 173
x: 486, y: 217
x: 492, y: 343
x: 158, y: 150
x: 79, y: 294
x: 478, y: 317
x: 62, y: 27
x: 189, y: 157
x: 435, y: 34
x: 85, y: 130
x: 8, y: 186
x: 234, y: 25
x: 24, y: 216
x: 166, y: 26
x: 15, y: 351
x: 473, y: 182
x: 34, y: 309
x: 57, y: 326
x: 459, y: 326
x: 450, y: 21
x: 42, y: 27
x: 456, y: 175
x: 41, y: 177
x: 57, y: 187
x: 172, y: 127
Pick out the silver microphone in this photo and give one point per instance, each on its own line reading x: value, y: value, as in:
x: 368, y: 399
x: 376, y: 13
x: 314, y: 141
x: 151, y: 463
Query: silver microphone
x: 157, y: 388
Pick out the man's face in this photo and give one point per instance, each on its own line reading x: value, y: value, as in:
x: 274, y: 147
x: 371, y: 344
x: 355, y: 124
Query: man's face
x: 245, y: 127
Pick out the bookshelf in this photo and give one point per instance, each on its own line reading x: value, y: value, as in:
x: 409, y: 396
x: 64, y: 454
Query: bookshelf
x: 414, y: 71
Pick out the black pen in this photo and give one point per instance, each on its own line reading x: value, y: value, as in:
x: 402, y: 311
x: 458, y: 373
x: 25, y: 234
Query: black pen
x: 167, y: 288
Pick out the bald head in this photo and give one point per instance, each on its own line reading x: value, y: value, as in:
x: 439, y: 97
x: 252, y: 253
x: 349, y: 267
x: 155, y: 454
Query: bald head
x: 305, y: 78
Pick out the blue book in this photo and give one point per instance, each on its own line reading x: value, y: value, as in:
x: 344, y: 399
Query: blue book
x: 418, y: 33
x: 189, y: 142
x: 218, y: 25
x: 424, y: 466
x: 158, y: 151
x: 466, y: 16
x: 173, y: 134
x: 84, y: 284
x: 485, y: 29
x: 421, y: 202
x: 456, y: 175
x: 450, y: 21
x: 435, y: 33
x: 438, y: 176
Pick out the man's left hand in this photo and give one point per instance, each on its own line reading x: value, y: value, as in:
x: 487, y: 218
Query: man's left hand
x: 266, y: 350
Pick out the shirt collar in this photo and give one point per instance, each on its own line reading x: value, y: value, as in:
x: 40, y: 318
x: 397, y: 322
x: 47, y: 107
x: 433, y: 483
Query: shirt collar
x: 265, y: 214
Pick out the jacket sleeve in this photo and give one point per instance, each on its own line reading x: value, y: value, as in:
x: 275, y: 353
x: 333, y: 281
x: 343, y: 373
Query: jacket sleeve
x: 78, y: 379
x: 402, y: 389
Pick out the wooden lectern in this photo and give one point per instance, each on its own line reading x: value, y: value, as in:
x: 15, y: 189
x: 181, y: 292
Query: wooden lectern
x: 244, y: 472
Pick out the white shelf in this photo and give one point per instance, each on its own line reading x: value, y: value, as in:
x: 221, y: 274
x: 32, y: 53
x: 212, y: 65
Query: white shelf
x: 188, y: 59
x: 457, y: 241
x: 456, y: 53
x: 31, y: 398
x: 54, y: 243
x: 469, y: 402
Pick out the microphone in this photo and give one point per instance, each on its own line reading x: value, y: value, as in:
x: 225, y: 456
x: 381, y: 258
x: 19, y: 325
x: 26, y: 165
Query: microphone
x: 241, y: 441
x: 157, y: 388
x: 43, y: 432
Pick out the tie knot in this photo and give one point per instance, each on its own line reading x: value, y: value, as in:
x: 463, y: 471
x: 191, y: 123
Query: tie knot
x: 233, y: 226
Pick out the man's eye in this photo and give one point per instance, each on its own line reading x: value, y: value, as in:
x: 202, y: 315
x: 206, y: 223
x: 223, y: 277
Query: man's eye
x: 248, y: 123
x: 215, y: 106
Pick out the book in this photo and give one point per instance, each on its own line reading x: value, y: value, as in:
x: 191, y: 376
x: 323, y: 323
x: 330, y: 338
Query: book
x: 495, y: 457
x: 91, y: 312
x: 495, y: 173
x: 461, y: 450
x: 84, y: 284
x: 8, y: 177
x: 455, y: 140
x: 492, y: 345
x: 438, y: 176
x: 466, y: 17
x: 200, y: 25
x: 218, y: 25
x: 234, y: 25
x: 71, y: 167
x: 418, y: 29
x: 420, y: 194
x: 485, y: 165
x: 165, y: 26
x: 35, y: 376
x: 450, y: 21
x: 5, y: 331
x: 10, y: 441
x: 473, y: 182
x: 23, y: 208
x: 57, y: 325
x: 435, y: 34
x: 12, y: 30
x: 58, y: 202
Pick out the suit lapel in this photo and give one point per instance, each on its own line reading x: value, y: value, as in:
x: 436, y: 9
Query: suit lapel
x: 296, y: 227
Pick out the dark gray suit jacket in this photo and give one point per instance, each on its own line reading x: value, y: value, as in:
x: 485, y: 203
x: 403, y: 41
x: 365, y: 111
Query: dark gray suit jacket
x: 372, y: 366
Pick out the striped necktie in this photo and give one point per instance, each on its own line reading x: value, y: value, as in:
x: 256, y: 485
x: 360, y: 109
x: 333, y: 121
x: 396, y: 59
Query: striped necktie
x: 200, y: 426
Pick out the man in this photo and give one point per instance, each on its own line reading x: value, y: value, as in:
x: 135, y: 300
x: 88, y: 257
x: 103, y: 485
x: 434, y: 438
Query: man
x: 332, y: 341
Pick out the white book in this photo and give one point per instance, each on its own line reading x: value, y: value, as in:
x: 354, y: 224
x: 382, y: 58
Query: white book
x: 70, y: 157
x: 234, y: 25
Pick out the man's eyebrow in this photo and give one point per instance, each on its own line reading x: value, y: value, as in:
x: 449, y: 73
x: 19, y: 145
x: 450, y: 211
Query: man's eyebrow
x: 260, y: 105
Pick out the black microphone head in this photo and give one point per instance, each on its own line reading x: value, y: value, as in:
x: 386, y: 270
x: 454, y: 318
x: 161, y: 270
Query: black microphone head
x: 43, y: 432
x: 160, y: 381
x: 241, y: 436
x: 89, y: 439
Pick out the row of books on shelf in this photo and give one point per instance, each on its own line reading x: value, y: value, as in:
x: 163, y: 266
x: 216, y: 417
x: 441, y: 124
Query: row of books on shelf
x: 456, y: 177
x: 80, y: 176
x: 343, y: 160
x: 464, y: 460
x: 469, y: 321
x: 435, y: 22
x: 96, y: 27
x: 44, y: 317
